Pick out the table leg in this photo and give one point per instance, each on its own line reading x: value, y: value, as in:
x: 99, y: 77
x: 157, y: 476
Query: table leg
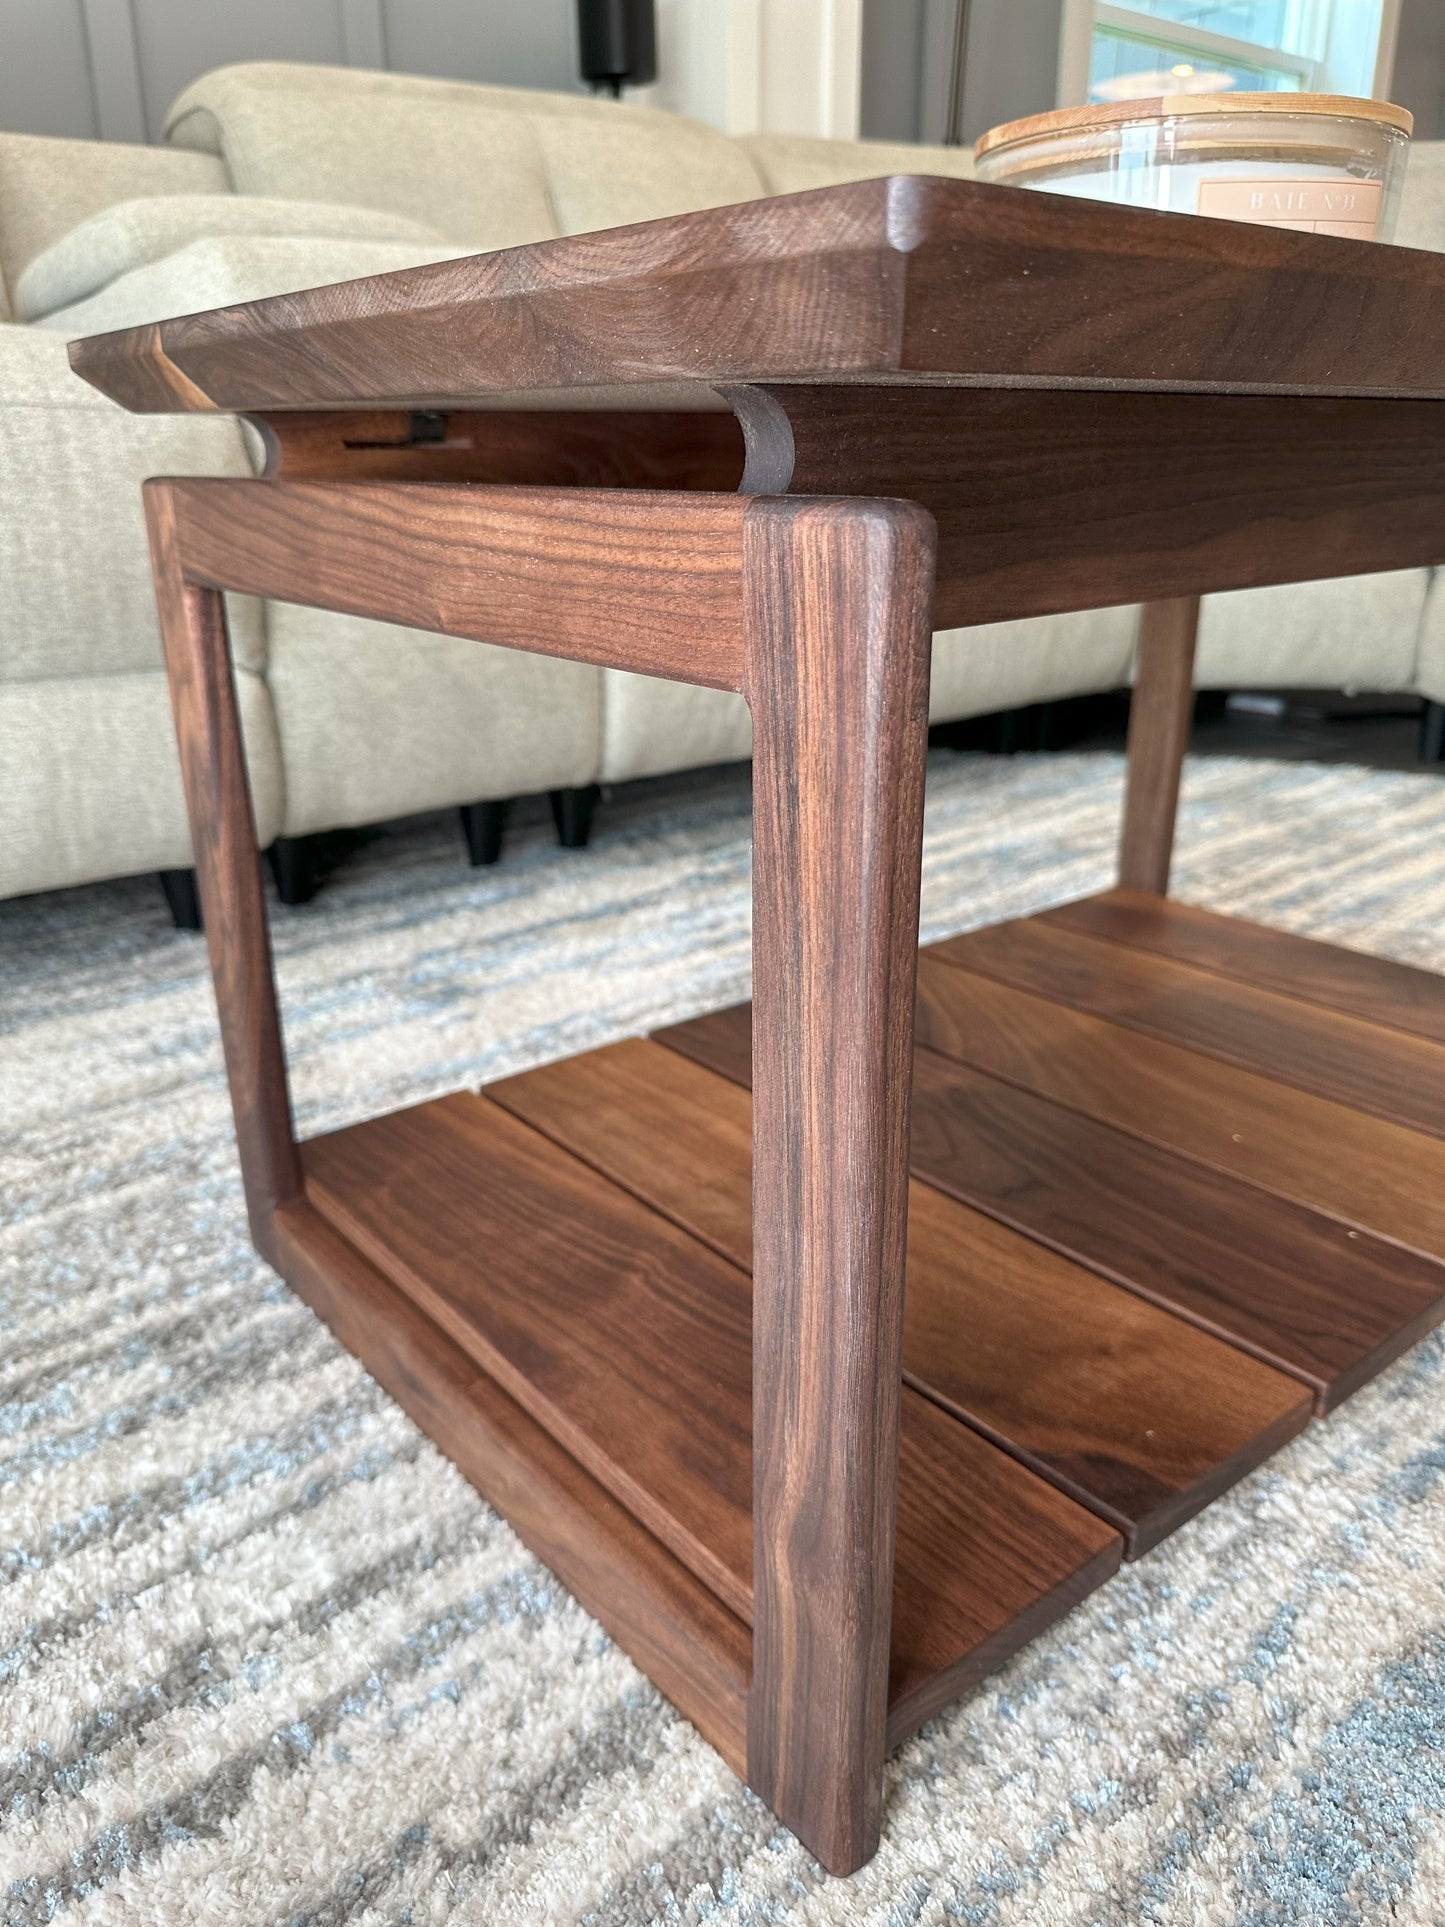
x: 1159, y: 719
x: 838, y: 603
x: 223, y: 833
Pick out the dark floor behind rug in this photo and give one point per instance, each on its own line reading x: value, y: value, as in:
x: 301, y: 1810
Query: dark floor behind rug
x: 264, y: 1657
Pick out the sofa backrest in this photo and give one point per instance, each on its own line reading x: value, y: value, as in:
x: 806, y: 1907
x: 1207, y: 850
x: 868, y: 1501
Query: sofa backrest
x: 48, y: 186
x: 487, y: 167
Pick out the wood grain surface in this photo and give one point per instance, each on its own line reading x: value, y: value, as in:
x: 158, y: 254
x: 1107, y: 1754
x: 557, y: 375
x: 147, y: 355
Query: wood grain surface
x: 1385, y: 992
x: 531, y: 448
x: 1015, y: 1555
x: 1316, y: 1298
x: 686, y: 1641
x: 1075, y: 499
x: 1366, y: 1066
x: 838, y: 624
x: 909, y: 277
x: 1138, y: 1415
x: 223, y: 838
x: 1161, y: 710
x: 602, y: 1321
x: 1370, y: 1174
x: 644, y: 581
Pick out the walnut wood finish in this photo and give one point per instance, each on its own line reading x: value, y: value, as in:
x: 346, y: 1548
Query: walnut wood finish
x: 839, y: 621
x: 1328, y: 1304
x: 1360, y: 985
x: 663, y: 1422
x: 580, y: 1276
x: 223, y: 836
x: 1094, y: 405
x: 1062, y: 498
x: 1370, y: 1174
x: 684, y: 1638
x: 912, y: 278
x: 650, y: 582
x: 1350, y: 1059
x: 526, y: 448
x: 1160, y: 712
x: 1132, y: 1412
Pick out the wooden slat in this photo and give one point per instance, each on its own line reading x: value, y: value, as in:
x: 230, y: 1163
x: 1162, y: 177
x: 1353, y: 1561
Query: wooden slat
x: 1138, y: 1415
x: 988, y: 1556
x: 1355, y: 1062
x: 696, y: 1651
x: 1330, y: 1304
x: 987, y: 1553
x: 1372, y: 1174
x: 601, y: 1320
x: 624, y: 578
x: 1327, y: 1303
x: 1376, y: 988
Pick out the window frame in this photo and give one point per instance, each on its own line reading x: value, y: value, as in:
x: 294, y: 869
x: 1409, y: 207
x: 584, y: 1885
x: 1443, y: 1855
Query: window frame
x: 1081, y: 16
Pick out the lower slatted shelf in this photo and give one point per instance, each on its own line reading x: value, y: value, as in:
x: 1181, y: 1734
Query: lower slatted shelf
x: 1175, y: 1183
x: 627, y: 1341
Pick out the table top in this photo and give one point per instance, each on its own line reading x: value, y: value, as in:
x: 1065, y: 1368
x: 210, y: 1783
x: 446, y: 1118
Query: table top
x: 911, y: 280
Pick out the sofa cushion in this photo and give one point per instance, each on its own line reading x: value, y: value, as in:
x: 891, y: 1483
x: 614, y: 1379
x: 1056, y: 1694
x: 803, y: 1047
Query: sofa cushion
x: 47, y: 187
x: 377, y: 721
x: 488, y: 167
x: 92, y: 783
x: 132, y: 234
x: 1352, y: 632
x: 78, y: 600
x: 216, y: 273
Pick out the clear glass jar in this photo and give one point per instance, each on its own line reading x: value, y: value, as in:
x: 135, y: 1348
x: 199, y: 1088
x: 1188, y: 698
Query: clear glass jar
x: 1322, y: 163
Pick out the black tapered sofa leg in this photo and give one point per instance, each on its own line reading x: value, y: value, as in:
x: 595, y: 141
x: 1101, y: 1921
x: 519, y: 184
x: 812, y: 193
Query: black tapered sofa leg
x: 182, y: 898
x: 1432, y: 733
x: 572, y: 813
x: 295, y: 867
x: 482, y: 826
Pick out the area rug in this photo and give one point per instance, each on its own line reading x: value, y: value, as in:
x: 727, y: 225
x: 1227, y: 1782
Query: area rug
x: 266, y: 1658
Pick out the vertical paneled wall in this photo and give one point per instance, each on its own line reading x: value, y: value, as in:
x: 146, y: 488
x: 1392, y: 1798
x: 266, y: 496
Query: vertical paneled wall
x: 112, y: 67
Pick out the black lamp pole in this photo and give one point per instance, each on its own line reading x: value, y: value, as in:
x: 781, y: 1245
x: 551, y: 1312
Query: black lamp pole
x: 617, y: 40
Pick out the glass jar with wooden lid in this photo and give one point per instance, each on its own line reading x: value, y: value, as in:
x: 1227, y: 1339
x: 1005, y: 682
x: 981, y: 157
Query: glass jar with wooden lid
x: 1324, y: 163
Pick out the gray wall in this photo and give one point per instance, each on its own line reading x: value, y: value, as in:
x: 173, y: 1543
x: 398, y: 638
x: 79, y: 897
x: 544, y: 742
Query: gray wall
x: 112, y: 67
x: 1010, y: 65
x: 1419, y: 78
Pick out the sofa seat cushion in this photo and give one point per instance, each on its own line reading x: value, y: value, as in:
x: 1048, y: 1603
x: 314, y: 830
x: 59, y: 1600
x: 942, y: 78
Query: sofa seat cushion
x: 218, y: 272
x: 48, y: 186
x: 489, y: 167
x: 1352, y: 632
x: 92, y: 783
x: 377, y: 721
x: 133, y: 234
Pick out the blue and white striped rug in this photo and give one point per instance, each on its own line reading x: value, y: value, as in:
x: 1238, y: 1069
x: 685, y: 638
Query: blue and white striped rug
x: 264, y: 1657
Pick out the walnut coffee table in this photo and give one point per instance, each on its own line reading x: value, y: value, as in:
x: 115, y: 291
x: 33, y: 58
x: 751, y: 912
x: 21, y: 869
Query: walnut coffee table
x: 1177, y: 1182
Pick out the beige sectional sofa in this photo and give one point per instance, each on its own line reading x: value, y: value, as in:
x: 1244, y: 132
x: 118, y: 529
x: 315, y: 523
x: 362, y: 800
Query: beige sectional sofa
x: 274, y: 177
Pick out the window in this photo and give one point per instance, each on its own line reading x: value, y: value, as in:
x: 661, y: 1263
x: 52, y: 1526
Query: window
x: 1128, y: 49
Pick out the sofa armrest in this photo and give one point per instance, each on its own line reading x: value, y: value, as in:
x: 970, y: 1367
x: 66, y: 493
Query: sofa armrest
x: 48, y: 186
x: 135, y: 234
x: 218, y: 272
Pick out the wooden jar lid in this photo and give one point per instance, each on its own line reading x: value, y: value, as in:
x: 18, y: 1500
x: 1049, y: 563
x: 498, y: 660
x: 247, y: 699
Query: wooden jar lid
x: 1100, y: 115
